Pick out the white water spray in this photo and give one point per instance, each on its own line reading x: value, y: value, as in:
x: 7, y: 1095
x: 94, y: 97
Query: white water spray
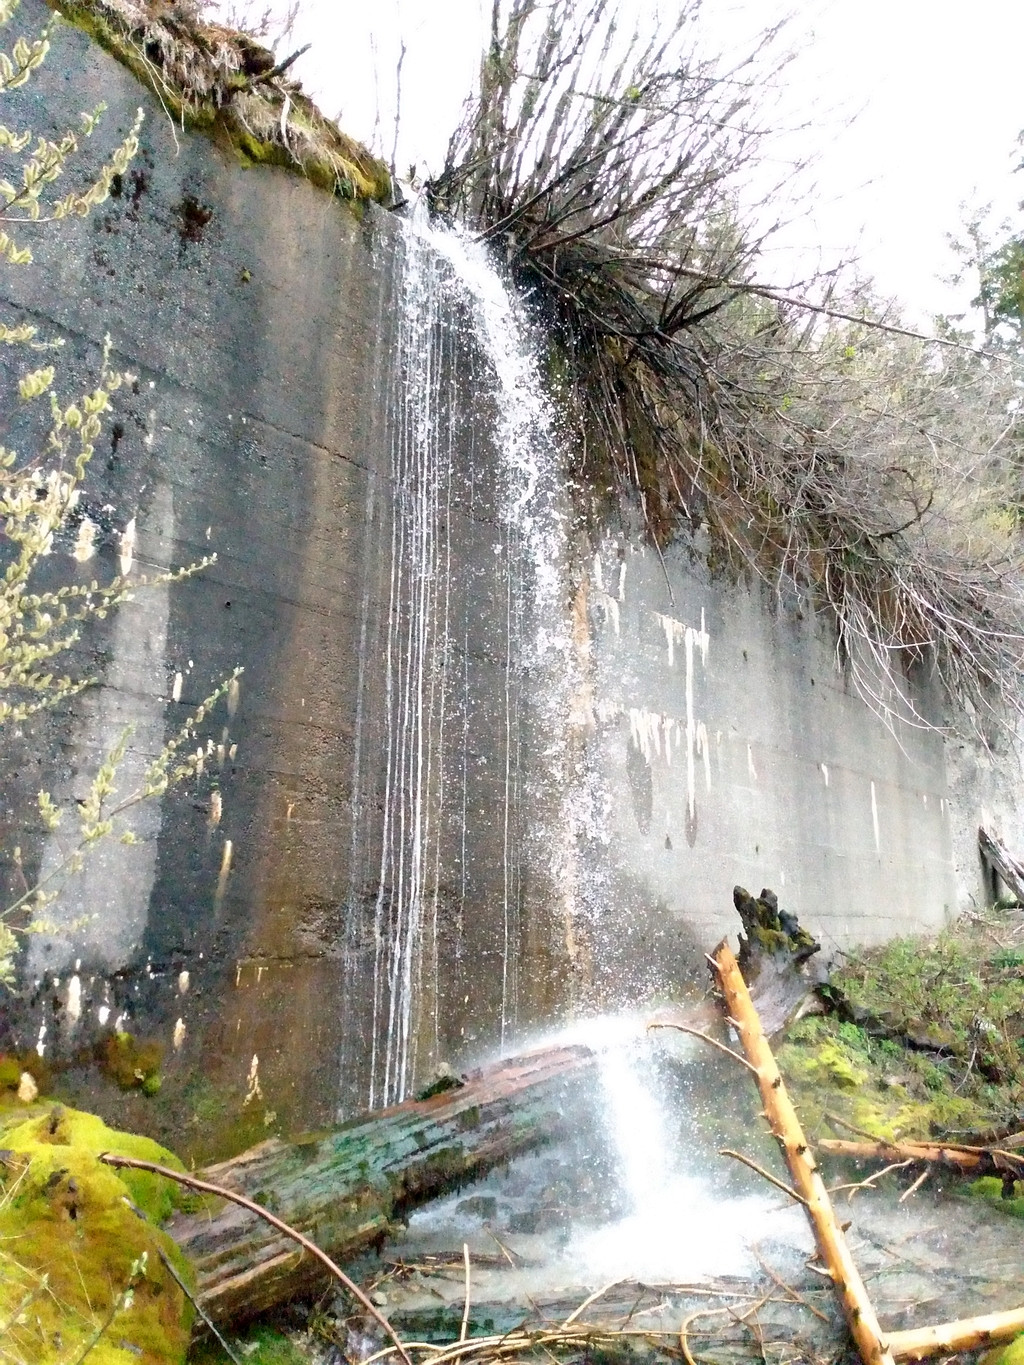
x: 676, y: 1227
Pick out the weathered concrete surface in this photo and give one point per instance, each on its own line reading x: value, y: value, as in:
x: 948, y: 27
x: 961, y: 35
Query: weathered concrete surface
x: 729, y: 746
x: 259, y: 317
x: 256, y: 313
x: 379, y: 871
x: 363, y: 884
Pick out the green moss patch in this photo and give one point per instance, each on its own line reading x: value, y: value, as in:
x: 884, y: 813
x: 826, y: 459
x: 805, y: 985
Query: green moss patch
x: 926, y: 1039
x: 222, y: 82
x: 260, y: 1344
x: 83, y: 1262
x: 835, y: 1074
x: 990, y: 1188
x: 1012, y: 1354
x: 129, y: 1063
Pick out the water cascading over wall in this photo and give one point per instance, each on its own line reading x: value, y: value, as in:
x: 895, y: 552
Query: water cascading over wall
x: 475, y: 840
x: 342, y: 407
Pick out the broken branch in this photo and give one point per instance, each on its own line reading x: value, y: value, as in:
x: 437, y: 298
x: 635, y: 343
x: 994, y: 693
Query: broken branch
x: 976, y: 1160
x: 949, y: 1338
x: 705, y: 1038
x: 765, y: 1175
x: 857, y: 1307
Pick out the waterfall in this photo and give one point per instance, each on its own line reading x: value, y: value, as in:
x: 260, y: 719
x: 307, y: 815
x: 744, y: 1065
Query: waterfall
x: 449, y: 283
x: 416, y: 677
x: 676, y: 1224
x: 444, y: 726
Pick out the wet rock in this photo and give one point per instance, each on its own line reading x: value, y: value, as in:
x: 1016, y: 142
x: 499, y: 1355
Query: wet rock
x: 484, y: 1206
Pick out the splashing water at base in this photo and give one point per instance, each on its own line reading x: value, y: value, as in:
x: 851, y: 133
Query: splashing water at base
x: 677, y: 1226
x: 634, y: 1195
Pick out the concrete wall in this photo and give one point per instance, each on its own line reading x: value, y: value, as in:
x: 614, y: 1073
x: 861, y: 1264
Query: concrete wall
x: 730, y: 745
x: 717, y: 741
x: 363, y: 584
x: 256, y: 313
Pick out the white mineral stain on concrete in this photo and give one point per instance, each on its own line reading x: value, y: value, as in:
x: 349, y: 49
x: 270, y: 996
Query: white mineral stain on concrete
x: 652, y: 733
x: 696, y: 736
x: 778, y: 747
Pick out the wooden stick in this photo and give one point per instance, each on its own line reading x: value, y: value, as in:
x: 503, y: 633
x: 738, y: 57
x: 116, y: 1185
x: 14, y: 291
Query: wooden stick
x: 465, y: 1311
x: 973, y: 1159
x: 201, y: 1312
x: 949, y: 1338
x: 765, y: 1175
x: 704, y: 1037
x: 902, y: 1151
x: 915, y: 1187
x: 778, y: 1107
x: 206, y: 1187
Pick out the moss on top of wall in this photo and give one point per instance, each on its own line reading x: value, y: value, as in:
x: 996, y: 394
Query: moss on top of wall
x: 228, y: 84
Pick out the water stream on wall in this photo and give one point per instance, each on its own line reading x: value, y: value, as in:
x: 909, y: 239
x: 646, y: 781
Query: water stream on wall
x: 429, y: 712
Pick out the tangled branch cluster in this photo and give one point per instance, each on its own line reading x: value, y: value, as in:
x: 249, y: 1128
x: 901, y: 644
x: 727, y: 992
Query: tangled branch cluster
x: 818, y: 443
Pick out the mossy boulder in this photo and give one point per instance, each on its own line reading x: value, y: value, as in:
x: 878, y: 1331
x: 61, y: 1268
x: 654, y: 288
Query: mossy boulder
x: 83, y: 1262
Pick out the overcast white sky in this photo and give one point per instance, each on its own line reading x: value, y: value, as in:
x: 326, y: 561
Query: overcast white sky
x: 935, y: 85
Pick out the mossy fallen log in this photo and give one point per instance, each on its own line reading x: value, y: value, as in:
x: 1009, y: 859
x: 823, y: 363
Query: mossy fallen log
x: 348, y: 1188
x: 775, y: 954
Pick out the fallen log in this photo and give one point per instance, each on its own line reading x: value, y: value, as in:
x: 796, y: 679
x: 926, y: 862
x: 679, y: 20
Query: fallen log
x: 976, y: 1161
x: 809, y: 1186
x: 1006, y: 867
x: 347, y: 1189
